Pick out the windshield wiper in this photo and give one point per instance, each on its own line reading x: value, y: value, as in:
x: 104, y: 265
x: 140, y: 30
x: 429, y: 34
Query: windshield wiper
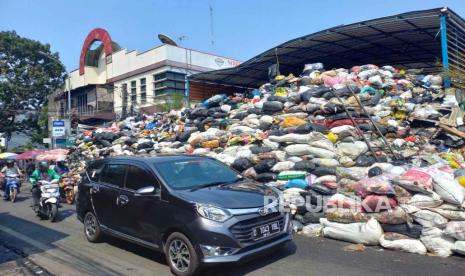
x: 216, y: 183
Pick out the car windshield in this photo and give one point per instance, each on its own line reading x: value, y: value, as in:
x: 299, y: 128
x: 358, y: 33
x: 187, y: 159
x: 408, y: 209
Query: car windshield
x: 195, y: 173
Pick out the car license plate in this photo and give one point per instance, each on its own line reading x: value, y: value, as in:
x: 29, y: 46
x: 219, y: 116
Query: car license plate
x: 266, y: 230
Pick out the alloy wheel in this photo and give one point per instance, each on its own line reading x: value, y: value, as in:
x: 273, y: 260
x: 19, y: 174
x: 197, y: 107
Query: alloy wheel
x: 91, y: 225
x: 179, y: 255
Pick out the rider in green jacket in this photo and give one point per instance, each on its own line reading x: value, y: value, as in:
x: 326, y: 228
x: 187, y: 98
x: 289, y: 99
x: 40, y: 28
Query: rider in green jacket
x: 43, y: 173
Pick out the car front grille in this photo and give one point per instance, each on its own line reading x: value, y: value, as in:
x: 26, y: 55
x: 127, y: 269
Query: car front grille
x: 242, y: 230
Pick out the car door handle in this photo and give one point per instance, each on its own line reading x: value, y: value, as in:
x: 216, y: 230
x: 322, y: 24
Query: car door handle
x: 122, y: 200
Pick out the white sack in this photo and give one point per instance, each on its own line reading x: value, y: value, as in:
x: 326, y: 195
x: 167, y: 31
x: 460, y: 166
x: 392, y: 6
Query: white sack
x: 445, y: 185
x: 456, y: 230
x: 367, y: 233
x: 429, y: 219
x: 436, y: 242
x: 302, y: 149
x: 406, y: 245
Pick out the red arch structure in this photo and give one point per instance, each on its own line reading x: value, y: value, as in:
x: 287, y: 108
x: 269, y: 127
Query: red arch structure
x: 97, y: 34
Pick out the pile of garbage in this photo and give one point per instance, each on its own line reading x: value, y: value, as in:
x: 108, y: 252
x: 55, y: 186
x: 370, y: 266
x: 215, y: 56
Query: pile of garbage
x: 370, y: 155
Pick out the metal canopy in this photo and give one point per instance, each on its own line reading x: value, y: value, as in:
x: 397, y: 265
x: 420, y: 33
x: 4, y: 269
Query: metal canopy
x: 408, y: 40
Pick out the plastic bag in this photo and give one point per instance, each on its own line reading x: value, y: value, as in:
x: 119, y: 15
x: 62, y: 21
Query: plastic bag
x: 418, y: 176
x: 304, y: 165
x: 406, y: 245
x: 367, y: 233
x: 302, y: 149
x: 376, y: 185
x: 266, y: 177
x: 422, y: 201
x: 456, y: 230
x: 264, y: 166
x: 297, y: 183
x: 312, y: 230
x: 377, y: 203
x: 287, y: 175
x: 393, y: 216
x: 436, y: 242
x: 352, y: 150
x: 411, y: 230
x: 348, y: 173
x: 292, y: 122
x: 345, y: 215
x: 250, y: 172
x: 241, y: 164
x: 341, y: 201
x: 459, y: 247
x: 429, y: 219
x: 283, y: 166
x: 446, y: 187
x: 325, y: 162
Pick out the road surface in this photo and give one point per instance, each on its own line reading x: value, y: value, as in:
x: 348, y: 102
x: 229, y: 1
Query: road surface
x: 30, y: 246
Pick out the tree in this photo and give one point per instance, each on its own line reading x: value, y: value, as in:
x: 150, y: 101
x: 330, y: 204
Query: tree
x: 29, y: 72
x: 173, y: 101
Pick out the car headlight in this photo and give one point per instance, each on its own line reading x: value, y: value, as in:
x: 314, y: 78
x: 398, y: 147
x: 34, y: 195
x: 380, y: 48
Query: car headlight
x: 212, y: 213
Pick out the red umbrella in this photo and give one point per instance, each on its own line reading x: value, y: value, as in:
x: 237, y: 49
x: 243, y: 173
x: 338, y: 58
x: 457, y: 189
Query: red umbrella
x: 53, y: 155
x: 28, y: 155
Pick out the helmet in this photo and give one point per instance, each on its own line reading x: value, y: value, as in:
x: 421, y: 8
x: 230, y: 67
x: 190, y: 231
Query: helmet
x: 43, y: 165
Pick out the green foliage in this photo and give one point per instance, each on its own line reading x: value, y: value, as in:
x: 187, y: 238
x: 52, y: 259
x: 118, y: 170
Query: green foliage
x: 28, y: 71
x: 173, y: 101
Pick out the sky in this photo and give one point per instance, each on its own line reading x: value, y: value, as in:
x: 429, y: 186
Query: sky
x: 241, y: 28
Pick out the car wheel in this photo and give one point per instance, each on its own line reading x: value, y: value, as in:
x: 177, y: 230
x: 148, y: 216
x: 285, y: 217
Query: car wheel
x: 92, y: 228
x: 181, y: 255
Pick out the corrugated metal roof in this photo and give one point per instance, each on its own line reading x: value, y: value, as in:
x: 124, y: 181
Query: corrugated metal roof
x: 408, y: 40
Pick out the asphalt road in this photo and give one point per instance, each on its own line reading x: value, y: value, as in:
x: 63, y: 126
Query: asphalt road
x: 61, y: 249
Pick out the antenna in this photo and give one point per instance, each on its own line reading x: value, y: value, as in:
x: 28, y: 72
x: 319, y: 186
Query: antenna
x: 211, y: 24
x: 182, y: 38
x: 166, y: 40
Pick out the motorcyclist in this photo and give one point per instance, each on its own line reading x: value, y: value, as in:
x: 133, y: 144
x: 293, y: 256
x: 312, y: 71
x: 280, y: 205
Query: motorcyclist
x: 43, y: 173
x: 11, y: 170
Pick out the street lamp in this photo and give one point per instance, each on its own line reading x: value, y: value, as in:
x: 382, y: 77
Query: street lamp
x: 67, y: 86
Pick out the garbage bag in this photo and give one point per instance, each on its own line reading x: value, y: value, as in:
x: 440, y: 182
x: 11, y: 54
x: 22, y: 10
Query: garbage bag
x: 459, y: 247
x: 429, y: 219
x: 367, y: 233
x: 348, y: 173
x: 272, y: 107
x: 375, y: 171
x: 322, y: 189
x: 250, y: 173
x: 418, y: 176
x: 292, y: 122
x: 302, y: 149
x: 287, y: 175
x: 377, y: 203
x: 341, y: 201
x: 321, y: 171
x: 364, y: 161
x: 456, y: 230
x: 296, y: 226
x: 411, y: 230
x: 304, y: 165
x: 352, y: 150
x: 283, y: 166
x: 345, y: 215
x: 421, y: 201
x: 314, y: 230
x: 393, y: 216
x: 242, y: 164
x: 380, y: 185
x: 297, y: 183
x: 449, y: 214
x: 406, y: 245
x: 325, y: 162
x: 266, y: 177
x: 447, y: 188
x: 264, y: 166
x: 436, y: 242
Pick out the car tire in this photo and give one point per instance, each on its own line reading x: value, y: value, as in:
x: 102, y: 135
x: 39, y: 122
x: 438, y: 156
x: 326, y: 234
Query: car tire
x: 92, y: 228
x: 178, y: 248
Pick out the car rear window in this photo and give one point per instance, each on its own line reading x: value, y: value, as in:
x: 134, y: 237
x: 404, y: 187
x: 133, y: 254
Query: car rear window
x: 188, y: 174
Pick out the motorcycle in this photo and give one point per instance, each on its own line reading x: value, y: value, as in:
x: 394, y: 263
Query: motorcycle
x: 49, y: 200
x: 12, y: 185
x: 68, y: 189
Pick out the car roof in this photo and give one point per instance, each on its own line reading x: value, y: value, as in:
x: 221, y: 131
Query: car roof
x: 157, y: 158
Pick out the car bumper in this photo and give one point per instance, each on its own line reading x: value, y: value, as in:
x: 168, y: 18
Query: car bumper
x: 249, y: 254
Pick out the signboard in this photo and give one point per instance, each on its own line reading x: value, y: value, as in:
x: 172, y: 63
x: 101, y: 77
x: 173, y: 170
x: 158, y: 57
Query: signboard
x: 47, y: 140
x: 58, y: 128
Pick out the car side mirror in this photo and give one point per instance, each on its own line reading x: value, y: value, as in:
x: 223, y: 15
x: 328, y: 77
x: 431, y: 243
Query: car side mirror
x: 148, y: 190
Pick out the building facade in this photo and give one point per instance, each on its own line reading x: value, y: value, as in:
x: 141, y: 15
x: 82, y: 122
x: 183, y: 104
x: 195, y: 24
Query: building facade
x: 112, y: 82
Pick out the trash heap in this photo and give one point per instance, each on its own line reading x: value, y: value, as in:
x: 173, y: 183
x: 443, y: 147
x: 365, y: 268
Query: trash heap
x: 309, y: 137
